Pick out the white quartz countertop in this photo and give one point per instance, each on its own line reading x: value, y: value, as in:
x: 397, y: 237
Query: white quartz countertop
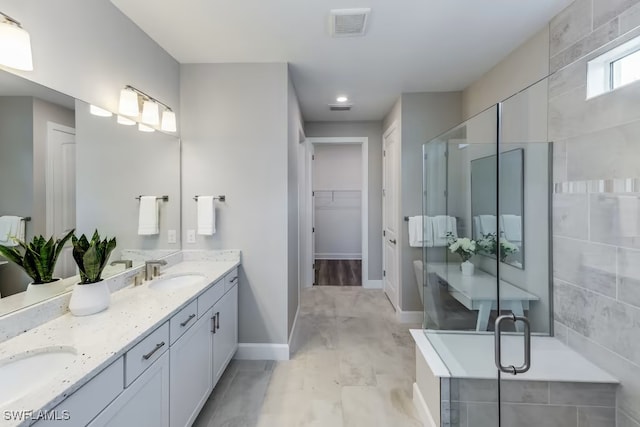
x: 102, y: 338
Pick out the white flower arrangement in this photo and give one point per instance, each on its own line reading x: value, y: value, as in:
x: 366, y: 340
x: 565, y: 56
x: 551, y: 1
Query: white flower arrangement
x: 464, y: 247
x: 489, y: 245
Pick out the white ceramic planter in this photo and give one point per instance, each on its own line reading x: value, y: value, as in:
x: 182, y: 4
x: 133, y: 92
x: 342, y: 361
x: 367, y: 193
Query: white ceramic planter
x: 467, y: 268
x: 89, y: 299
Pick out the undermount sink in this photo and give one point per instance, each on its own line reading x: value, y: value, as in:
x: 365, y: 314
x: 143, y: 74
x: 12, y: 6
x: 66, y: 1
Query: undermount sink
x: 30, y: 370
x: 176, y: 281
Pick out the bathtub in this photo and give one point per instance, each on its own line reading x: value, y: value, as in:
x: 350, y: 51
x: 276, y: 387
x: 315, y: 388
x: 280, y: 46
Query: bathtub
x: 456, y: 382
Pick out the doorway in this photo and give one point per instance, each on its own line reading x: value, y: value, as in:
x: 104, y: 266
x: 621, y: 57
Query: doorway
x: 61, y: 191
x: 336, y: 215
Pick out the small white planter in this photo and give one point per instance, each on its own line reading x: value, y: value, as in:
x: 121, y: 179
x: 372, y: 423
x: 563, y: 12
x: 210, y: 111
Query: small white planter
x: 467, y: 268
x: 89, y: 299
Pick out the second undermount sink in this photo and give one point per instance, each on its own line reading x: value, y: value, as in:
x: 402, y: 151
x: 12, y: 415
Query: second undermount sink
x: 28, y: 371
x: 176, y: 281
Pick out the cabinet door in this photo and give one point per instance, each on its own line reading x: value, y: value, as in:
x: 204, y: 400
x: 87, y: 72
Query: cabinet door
x: 191, y: 372
x: 225, y: 340
x: 145, y: 403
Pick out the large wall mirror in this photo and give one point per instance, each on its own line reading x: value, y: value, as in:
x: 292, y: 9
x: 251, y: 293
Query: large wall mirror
x: 505, y: 230
x: 64, y: 166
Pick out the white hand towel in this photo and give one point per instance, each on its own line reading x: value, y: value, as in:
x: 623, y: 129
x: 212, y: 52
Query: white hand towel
x: 420, y: 231
x: 477, y: 228
x: 206, y: 216
x: 149, y: 216
x: 11, y: 227
x: 512, y: 227
x: 443, y: 224
x: 488, y: 224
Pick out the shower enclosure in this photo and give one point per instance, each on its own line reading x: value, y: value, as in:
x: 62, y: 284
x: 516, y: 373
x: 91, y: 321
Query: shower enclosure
x: 487, y: 197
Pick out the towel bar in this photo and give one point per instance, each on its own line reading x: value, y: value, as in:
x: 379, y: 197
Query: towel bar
x: 219, y: 198
x: 163, y: 198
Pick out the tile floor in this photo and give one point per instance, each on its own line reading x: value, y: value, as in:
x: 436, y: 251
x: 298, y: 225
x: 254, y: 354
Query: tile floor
x: 353, y: 365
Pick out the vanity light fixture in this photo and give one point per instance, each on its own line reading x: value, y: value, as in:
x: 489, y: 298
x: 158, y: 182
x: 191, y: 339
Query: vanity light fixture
x: 168, y: 121
x: 145, y: 128
x: 129, y: 102
x: 15, y: 44
x: 130, y: 99
x: 125, y: 121
x: 100, y: 112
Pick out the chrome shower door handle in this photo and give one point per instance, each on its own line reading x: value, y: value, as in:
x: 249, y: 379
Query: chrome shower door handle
x: 514, y: 370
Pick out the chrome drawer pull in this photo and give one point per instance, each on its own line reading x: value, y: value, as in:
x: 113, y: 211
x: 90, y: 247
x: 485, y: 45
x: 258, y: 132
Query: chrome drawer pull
x: 234, y: 279
x: 183, y: 324
x: 158, y: 347
x: 218, y: 320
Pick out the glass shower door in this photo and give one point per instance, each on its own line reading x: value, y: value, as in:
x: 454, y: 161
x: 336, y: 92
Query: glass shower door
x: 522, y: 248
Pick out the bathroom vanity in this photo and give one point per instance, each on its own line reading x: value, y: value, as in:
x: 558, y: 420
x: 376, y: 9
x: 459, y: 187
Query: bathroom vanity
x: 151, y: 359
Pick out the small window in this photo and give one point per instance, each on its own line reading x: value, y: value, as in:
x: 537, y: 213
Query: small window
x: 613, y: 69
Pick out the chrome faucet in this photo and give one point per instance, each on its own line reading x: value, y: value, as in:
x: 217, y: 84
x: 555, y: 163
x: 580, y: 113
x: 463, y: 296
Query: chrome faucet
x: 150, y: 267
x: 127, y: 263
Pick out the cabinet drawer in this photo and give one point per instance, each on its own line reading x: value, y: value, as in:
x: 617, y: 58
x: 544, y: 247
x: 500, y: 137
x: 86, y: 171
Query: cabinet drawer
x: 83, y: 405
x: 183, y: 320
x: 145, y: 353
x: 210, y: 297
x: 231, y: 279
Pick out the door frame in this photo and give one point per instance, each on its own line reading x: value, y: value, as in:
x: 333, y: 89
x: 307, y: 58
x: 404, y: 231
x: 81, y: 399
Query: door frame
x: 309, y: 251
x: 49, y: 199
x: 395, y: 126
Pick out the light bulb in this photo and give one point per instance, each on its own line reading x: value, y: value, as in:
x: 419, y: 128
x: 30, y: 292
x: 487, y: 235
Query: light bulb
x: 342, y: 99
x: 15, y: 46
x: 124, y: 121
x: 145, y: 128
x: 128, y: 103
x: 150, y: 113
x: 168, y: 121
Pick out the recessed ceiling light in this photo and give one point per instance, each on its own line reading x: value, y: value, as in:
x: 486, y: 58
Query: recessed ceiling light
x: 342, y: 99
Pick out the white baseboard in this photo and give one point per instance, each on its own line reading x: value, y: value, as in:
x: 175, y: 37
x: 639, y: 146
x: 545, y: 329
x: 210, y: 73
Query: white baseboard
x: 338, y: 256
x: 409, y: 316
x: 259, y: 351
x: 372, y: 284
x: 421, y: 408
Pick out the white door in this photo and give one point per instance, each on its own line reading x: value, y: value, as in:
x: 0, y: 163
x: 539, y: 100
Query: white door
x: 390, y: 192
x: 312, y: 157
x: 61, y: 191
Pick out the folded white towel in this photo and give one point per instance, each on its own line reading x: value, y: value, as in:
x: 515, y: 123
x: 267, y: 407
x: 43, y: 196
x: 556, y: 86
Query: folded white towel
x: 420, y: 231
x: 206, y: 215
x: 512, y: 227
x: 442, y: 225
x: 488, y: 224
x: 149, y: 216
x: 11, y: 227
x: 477, y: 228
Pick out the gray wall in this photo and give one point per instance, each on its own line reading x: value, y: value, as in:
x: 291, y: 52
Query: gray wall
x: 235, y: 142
x: 422, y: 117
x: 294, y: 126
x: 90, y: 50
x: 16, y: 176
x: 114, y: 165
x: 596, y: 249
x: 373, y: 131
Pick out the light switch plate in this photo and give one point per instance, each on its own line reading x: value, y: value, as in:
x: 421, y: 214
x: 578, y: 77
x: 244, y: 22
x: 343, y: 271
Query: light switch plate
x: 191, y: 236
x: 172, y: 236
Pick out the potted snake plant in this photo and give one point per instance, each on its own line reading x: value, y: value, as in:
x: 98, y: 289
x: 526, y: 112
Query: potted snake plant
x: 91, y: 295
x: 37, y: 258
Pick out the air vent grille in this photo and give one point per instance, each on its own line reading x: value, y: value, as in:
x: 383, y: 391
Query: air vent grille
x: 349, y: 22
x: 340, y: 107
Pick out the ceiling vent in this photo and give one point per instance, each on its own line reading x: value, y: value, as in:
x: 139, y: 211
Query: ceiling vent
x: 349, y: 22
x: 340, y: 107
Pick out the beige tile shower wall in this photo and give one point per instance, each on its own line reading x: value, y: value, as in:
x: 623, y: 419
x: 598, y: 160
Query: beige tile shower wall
x: 596, y: 215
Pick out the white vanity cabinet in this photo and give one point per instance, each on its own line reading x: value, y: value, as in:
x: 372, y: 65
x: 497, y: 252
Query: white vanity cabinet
x: 145, y: 403
x: 225, y: 339
x: 191, y: 372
